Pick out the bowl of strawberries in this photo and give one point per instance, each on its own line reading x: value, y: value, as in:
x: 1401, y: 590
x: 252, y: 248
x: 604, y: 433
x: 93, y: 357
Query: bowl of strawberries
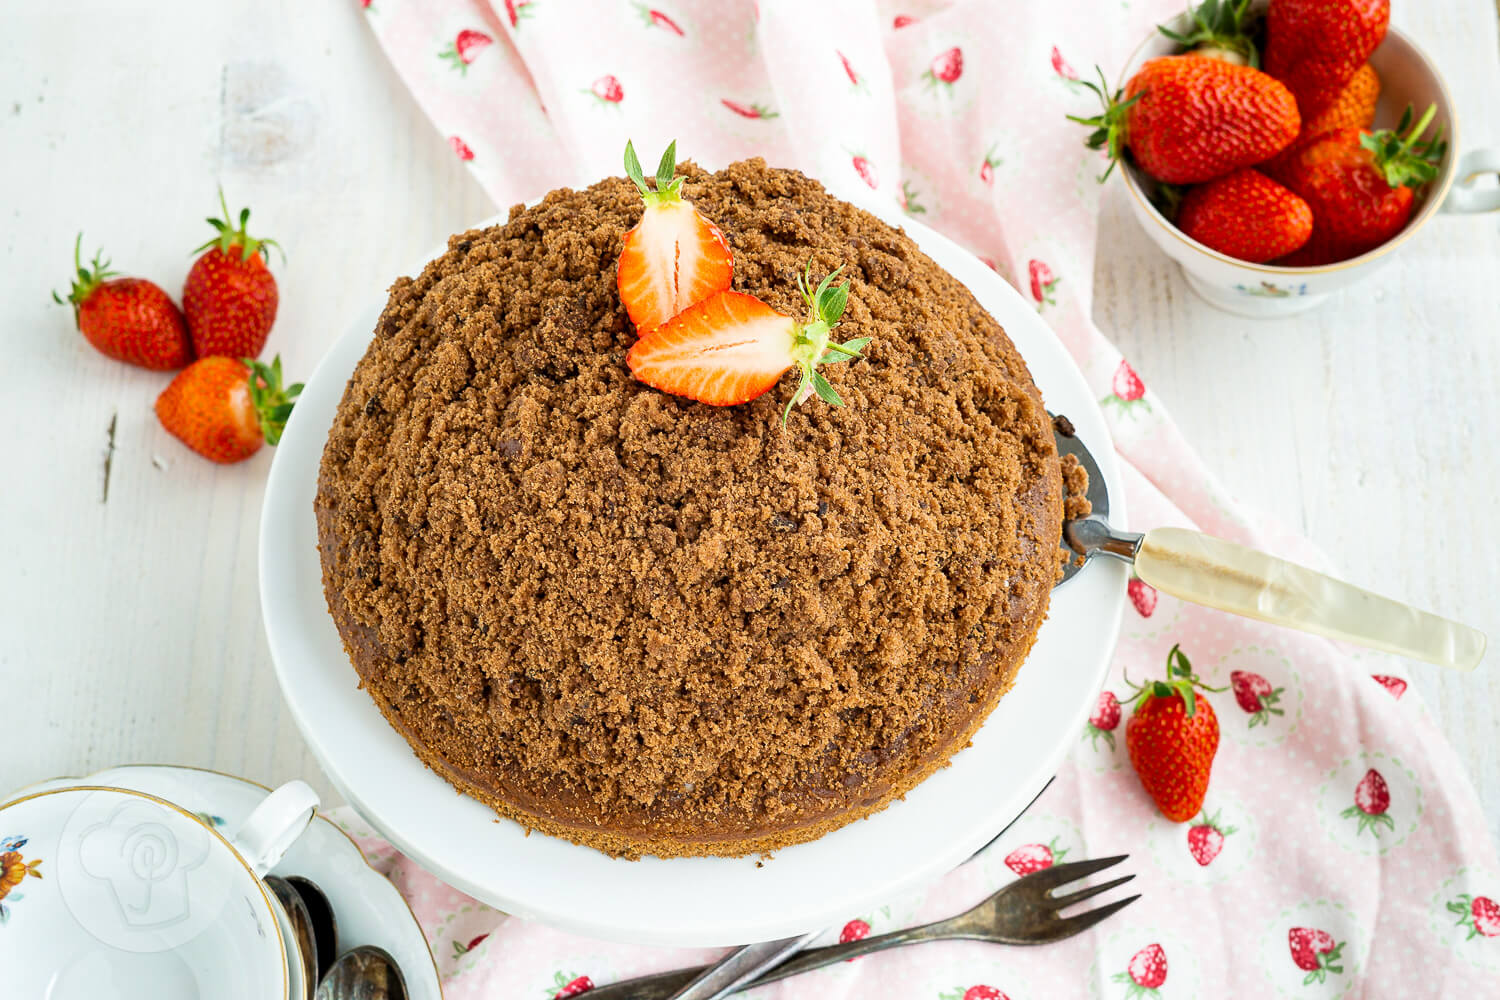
x: 1280, y: 150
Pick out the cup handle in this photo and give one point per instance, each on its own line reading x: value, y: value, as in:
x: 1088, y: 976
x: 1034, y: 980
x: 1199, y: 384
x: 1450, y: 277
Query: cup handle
x: 275, y: 825
x: 1464, y: 197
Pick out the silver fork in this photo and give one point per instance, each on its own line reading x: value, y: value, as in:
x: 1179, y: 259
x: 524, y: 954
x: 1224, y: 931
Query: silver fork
x: 1027, y: 911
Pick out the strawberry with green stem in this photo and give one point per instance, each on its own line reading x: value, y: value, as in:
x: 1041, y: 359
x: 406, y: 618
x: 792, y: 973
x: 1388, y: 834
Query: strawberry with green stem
x: 855, y: 80
x: 1043, y: 283
x: 1104, y: 720
x: 1206, y: 838
x: 945, y: 69
x: 226, y: 408
x: 1480, y: 914
x: 565, y: 985
x: 1372, y: 803
x: 230, y: 296
x: 674, y: 257
x: 606, y: 91
x: 987, y: 168
x: 1255, y: 696
x: 1145, y: 972
x: 657, y: 19
x: 1172, y: 737
x: 977, y: 992
x: 128, y: 319
x: 465, y: 48
x: 1218, y: 32
x: 753, y: 111
x: 909, y: 203
x: 1315, y: 952
x: 1030, y: 858
x: 1127, y: 392
x: 732, y: 347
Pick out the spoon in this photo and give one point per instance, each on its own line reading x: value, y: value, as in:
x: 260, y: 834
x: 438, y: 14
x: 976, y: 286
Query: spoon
x: 325, y: 928
x: 1219, y: 574
x: 302, y: 928
x: 363, y: 973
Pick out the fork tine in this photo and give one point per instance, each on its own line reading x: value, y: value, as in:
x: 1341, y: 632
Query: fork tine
x: 1063, y: 902
x: 1059, y: 875
x: 1083, y: 921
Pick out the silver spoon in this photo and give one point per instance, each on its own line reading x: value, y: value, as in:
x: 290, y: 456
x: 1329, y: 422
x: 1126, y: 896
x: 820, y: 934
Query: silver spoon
x: 1219, y: 574
x: 325, y: 927
x: 363, y: 973
x: 302, y: 928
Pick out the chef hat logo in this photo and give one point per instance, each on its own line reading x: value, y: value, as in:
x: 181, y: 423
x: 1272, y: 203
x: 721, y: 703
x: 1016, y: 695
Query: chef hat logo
x: 144, y: 861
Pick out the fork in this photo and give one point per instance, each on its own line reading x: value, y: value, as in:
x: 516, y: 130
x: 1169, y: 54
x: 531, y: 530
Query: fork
x: 1027, y: 911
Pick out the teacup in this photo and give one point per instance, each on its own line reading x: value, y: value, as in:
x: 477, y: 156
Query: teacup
x: 1407, y: 77
x: 108, y: 894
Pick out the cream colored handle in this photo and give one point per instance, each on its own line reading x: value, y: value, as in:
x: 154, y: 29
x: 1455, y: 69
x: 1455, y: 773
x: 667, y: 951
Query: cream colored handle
x: 1230, y: 577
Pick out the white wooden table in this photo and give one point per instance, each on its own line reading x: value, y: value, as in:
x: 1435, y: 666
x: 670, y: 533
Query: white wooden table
x: 130, y: 627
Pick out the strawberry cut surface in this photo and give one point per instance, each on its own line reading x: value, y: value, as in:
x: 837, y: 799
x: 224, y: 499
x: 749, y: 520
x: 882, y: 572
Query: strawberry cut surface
x: 728, y: 349
x: 673, y: 257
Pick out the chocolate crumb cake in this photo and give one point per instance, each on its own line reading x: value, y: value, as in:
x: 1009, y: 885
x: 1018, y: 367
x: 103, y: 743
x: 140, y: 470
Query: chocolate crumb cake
x: 653, y: 626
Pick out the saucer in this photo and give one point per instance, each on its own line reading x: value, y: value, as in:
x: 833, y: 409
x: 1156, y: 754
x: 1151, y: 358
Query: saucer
x: 368, y: 907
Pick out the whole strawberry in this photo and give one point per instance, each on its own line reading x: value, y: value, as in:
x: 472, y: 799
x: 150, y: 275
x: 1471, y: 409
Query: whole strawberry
x: 1172, y: 737
x: 128, y: 319
x: 1191, y: 118
x: 1362, y: 187
x: 1316, y: 46
x: 230, y: 295
x: 226, y: 408
x: 1247, y: 216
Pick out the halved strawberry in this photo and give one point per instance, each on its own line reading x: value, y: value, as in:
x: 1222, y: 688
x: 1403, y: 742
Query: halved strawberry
x: 674, y: 257
x: 732, y: 347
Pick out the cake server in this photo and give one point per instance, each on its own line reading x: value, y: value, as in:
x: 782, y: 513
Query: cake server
x: 1218, y: 574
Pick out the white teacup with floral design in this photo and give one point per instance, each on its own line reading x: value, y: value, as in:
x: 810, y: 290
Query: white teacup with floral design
x: 109, y: 894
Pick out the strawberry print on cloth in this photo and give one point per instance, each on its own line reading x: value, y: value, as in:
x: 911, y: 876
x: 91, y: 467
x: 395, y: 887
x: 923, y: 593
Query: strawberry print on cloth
x: 1301, y: 863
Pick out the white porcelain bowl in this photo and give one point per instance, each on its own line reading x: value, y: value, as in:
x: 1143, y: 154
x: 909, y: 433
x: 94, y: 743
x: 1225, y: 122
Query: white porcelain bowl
x: 1407, y: 77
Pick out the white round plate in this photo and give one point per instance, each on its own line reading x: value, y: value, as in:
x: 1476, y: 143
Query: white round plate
x: 688, y: 901
x: 368, y: 908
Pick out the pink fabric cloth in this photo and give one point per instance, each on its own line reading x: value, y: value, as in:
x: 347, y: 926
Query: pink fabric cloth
x: 957, y: 110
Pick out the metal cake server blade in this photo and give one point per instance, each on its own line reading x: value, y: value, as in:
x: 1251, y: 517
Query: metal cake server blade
x: 1218, y: 574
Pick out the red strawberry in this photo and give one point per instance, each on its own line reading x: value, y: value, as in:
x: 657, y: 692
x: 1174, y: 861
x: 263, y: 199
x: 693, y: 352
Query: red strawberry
x: 466, y: 48
x: 758, y: 111
x: 1104, y: 719
x: 1172, y: 737
x: 1353, y: 108
x: 854, y: 930
x: 1315, y: 953
x: 606, y: 90
x: 1255, y: 695
x: 849, y: 70
x: 1361, y: 188
x: 1315, y: 46
x: 1030, y: 858
x: 1126, y: 390
x: 128, y: 319
x: 866, y: 171
x: 1206, y: 838
x: 903, y: 20
x: 517, y: 9
x: 945, y: 69
x: 656, y: 19
x: 475, y: 943
x: 1480, y: 914
x: 1042, y: 282
x: 987, y: 168
x: 459, y: 948
x: 1146, y: 971
x: 1190, y: 119
x: 567, y: 987
x: 1060, y: 66
x: 980, y: 992
x: 224, y: 409
x: 1372, y: 800
x: 1246, y: 215
x: 673, y: 257
x: 230, y: 295
x: 460, y: 148
x: 1395, y: 685
x: 732, y: 347
x: 1142, y: 594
